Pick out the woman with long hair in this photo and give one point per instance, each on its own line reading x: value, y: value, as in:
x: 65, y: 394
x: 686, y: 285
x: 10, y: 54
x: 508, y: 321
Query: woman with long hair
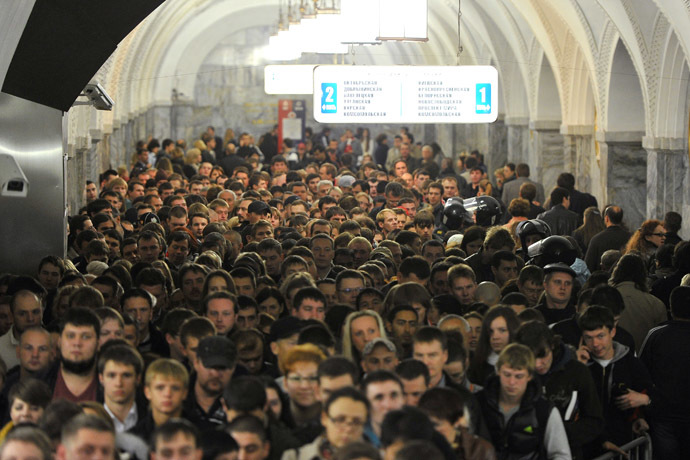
x: 271, y: 302
x: 360, y: 328
x: 498, y: 328
x: 192, y: 160
x: 165, y: 164
x: 593, y: 224
x: 218, y: 280
x: 646, y: 240
x: 367, y: 142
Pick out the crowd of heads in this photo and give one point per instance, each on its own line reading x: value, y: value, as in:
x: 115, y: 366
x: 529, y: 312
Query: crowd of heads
x: 235, y: 291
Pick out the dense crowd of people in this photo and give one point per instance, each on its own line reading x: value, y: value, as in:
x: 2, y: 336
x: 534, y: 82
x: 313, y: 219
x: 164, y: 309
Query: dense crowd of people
x: 344, y: 298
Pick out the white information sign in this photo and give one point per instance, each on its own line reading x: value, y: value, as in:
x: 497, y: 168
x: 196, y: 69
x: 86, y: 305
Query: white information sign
x: 289, y: 79
x: 405, y: 94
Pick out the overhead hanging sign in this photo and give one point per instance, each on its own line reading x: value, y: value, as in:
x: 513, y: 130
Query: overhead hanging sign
x: 405, y: 94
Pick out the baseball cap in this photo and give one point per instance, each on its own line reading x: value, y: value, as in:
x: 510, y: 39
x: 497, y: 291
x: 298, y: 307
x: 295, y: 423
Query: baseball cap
x: 258, y: 207
x: 149, y: 217
x: 291, y: 199
x: 284, y: 328
x: 453, y: 241
x: 346, y: 181
x: 369, y: 347
x: 217, y: 351
x: 559, y: 267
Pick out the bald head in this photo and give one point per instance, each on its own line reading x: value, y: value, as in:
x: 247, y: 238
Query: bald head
x: 26, y: 310
x: 488, y: 293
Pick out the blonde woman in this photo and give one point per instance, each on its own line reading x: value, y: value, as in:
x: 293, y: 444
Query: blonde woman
x: 192, y: 160
x: 360, y: 328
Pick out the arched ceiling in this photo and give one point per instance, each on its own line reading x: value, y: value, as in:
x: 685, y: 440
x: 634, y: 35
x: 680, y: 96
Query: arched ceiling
x: 575, y: 38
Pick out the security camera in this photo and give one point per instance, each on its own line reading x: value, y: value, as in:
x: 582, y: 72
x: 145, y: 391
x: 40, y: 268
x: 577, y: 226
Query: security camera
x: 97, y: 97
x: 12, y: 179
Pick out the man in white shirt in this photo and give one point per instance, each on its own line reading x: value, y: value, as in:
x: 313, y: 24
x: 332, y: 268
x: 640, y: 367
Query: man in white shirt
x: 119, y: 371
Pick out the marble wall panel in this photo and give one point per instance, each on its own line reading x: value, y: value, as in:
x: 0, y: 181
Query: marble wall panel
x: 578, y: 153
x: 585, y: 156
x: 497, y: 154
x: 666, y: 178
x: 517, y: 143
x: 627, y: 180
x: 546, y: 157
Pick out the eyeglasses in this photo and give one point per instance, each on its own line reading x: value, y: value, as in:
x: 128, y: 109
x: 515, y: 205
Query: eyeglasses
x: 340, y: 421
x: 658, y: 234
x: 351, y: 290
x: 298, y: 379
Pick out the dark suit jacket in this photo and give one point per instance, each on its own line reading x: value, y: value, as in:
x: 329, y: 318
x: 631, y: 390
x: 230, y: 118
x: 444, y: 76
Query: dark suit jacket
x: 613, y: 237
x: 560, y: 220
x: 534, y: 211
x: 230, y: 162
x: 580, y: 201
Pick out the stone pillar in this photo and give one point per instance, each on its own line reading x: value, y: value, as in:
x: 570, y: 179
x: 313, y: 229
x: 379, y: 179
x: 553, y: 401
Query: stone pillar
x: 624, y: 174
x: 444, y: 137
x: 429, y: 133
x: 497, y: 154
x: 578, y: 156
x: 667, y: 168
x: 517, y: 139
x: 181, y: 118
x: 545, y: 153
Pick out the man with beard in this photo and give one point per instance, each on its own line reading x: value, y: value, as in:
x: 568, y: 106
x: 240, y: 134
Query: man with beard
x: 27, y: 312
x: 402, y: 324
x: 214, y: 365
x: 74, y: 378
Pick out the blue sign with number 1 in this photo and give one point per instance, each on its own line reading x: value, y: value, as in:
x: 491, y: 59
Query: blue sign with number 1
x: 483, y: 104
x: 329, y: 97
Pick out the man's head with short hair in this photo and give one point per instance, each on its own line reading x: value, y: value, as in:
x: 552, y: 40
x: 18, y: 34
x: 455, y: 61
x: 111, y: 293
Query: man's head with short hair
x: 334, y: 373
x: 251, y: 436
x: 309, y: 303
x: 680, y: 303
x: 430, y: 346
x: 176, y: 438
x: 87, y: 433
x: 415, y: 378
x: 23, y: 440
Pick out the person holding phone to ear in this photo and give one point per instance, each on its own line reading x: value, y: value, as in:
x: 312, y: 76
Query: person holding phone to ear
x: 624, y: 386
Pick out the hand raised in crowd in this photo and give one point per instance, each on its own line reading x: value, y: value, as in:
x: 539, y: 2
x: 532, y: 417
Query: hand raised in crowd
x: 583, y: 353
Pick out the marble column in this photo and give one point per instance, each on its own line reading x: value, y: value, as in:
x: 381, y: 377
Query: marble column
x: 429, y: 133
x: 158, y: 121
x: 625, y: 176
x: 497, y: 154
x: 181, y: 118
x: 667, y: 167
x: 545, y: 153
x: 578, y: 156
x: 517, y: 139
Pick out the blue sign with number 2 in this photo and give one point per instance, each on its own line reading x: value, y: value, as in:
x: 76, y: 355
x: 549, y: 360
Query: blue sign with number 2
x: 329, y: 97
